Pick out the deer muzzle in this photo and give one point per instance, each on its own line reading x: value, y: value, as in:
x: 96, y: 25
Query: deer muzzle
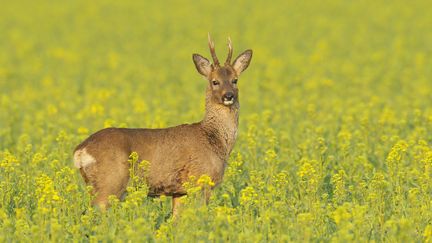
x: 228, y: 98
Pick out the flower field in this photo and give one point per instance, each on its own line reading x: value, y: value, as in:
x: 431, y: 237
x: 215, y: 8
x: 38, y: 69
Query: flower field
x: 335, y: 139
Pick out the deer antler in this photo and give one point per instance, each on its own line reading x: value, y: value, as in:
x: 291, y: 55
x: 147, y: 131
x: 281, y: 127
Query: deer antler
x: 230, y: 52
x: 212, y: 51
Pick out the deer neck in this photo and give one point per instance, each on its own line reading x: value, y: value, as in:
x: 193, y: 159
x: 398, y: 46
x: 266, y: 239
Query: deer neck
x: 220, y: 123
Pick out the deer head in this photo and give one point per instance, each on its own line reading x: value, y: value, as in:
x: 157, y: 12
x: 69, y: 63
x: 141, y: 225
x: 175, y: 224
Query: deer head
x: 222, y: 79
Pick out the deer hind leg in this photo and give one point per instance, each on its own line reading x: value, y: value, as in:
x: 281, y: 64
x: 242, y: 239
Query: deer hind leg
x: 106, y: 182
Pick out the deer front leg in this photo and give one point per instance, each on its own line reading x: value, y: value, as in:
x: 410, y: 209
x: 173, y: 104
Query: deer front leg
x: 176, y: 206
x: 207, y: 194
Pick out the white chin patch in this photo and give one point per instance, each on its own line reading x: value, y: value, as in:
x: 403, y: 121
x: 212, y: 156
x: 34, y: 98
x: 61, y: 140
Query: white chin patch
x: 228, y: 102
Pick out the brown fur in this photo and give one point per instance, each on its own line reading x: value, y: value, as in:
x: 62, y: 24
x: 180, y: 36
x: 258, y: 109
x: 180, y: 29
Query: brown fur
x: 174, y: 153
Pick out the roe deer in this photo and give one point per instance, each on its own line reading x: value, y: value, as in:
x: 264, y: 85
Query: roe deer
x: 174, y: 153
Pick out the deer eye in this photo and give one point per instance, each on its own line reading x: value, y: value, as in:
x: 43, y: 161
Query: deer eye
x: 215, y: 82
x: 234, y: 81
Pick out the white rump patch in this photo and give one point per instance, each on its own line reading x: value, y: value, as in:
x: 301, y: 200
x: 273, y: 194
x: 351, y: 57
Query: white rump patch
x: 83, y: 159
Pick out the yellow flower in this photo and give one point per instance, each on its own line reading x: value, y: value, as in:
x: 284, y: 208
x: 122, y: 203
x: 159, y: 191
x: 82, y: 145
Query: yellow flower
x: 83, y: 130
x: 427, y: 234
x: 205, y: 180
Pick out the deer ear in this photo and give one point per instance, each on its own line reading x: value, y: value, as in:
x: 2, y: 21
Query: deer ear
x: 202, y: 65
x: 242, y: 61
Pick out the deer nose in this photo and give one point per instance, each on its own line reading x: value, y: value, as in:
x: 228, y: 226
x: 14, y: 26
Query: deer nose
x: 228, y: 96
